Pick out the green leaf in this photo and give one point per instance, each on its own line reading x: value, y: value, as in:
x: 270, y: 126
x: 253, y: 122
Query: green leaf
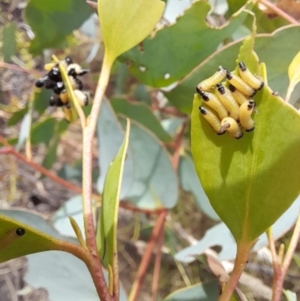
x: 107, y: 224
x: 60, y: 219
x: 41, y: 100
x: 190, y: 40
x: 125, y: 24
x: 294, y: 75
x: 297, y: 259
x: 43, y: 132
x: 59, y: 128
x: 207, y: 291
x: 64, y: 276
x: 17, y: 116
x: 219, y: 235
x: 290, y: 296
x: 250, y: 182
x: 294, y: 69
x: 142, y: 114
x: 265, y: 24
x: 149, y: 179
x: 110, y: 136
x: 9, y: 46
x: 24, y: 131
x: 38, y: 237
x: 50, y: 157
x: 234, y: 6
x: 190, y: 182
x: 155, y: 183
x: 269, y: 48
x: 51, y: 22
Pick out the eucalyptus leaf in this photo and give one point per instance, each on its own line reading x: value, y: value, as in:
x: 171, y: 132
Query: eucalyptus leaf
x: 9, y: 45
x: 24, y: 131
x: 65, y: 277
x: 190, y: 40
x: 23, y: 233
x: 107, y: 224
x: 149, y: 180
x: 269, y: 48
x: 190, y: 182
x: 290, y: 296
x: 123, y: 26
x: 142, y: 114
x: 53, y: 20
x: 155, y: 183
x: 252, y: 181
x: 207, y: 291
x: 219, y: 235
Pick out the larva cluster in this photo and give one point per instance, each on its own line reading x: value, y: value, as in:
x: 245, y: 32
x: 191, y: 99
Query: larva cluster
x: 229, y: 109
x: 53, y: 81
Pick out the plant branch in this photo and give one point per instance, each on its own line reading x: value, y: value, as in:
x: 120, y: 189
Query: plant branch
x: 136, y: 287
x: 88, y: 137
x: 241, y: 260
x: 157, y: 264
x: 89, y: 260
x: 278, y: 11
x: 292, y: 247
x: 9, y: 150
x: 276, y: 267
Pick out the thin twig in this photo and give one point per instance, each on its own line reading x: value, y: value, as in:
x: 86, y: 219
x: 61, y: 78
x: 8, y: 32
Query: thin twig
x: 159, y: 226
x: 292, y: 247
x: 278, y: 11
x: 276, y: 267
x: 18, y: 68
x: 157, y: 264
x: 87, y: 154
x: 136, y: 287
x: 88, y: 137
x: 243, y: 250
x: 8, y: 150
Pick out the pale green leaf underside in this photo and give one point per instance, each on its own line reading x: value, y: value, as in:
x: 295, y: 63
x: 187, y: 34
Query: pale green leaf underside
x: 125, y: 23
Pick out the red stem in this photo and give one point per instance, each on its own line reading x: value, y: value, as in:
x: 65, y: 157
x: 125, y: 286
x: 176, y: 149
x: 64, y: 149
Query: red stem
x: 157, y: 265
x: 8, y: 150
x: 279, y: 11
x: 159, y: 226
x: 243, y: 250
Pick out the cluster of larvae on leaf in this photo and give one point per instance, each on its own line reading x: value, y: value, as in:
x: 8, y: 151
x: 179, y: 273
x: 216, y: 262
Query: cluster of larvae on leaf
x: 53, y: 81
x: 229, y: 109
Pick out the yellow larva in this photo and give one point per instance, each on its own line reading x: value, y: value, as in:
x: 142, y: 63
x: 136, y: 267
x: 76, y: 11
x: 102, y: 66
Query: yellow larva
x: 75, y: 70
x: 213, y: 102
x: 67, y: 112
x: 64, y: 97
x: 212, y: 119
x: 82, y: 97
x: 231, y: 126
x: 208, y: 83
x: 249, y: 78
x: 237, y: 95
x: 240, y: 84
x: 245, y: 113
x: 228, y: 101
x: 49, y: 66
x: 67, y: 61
